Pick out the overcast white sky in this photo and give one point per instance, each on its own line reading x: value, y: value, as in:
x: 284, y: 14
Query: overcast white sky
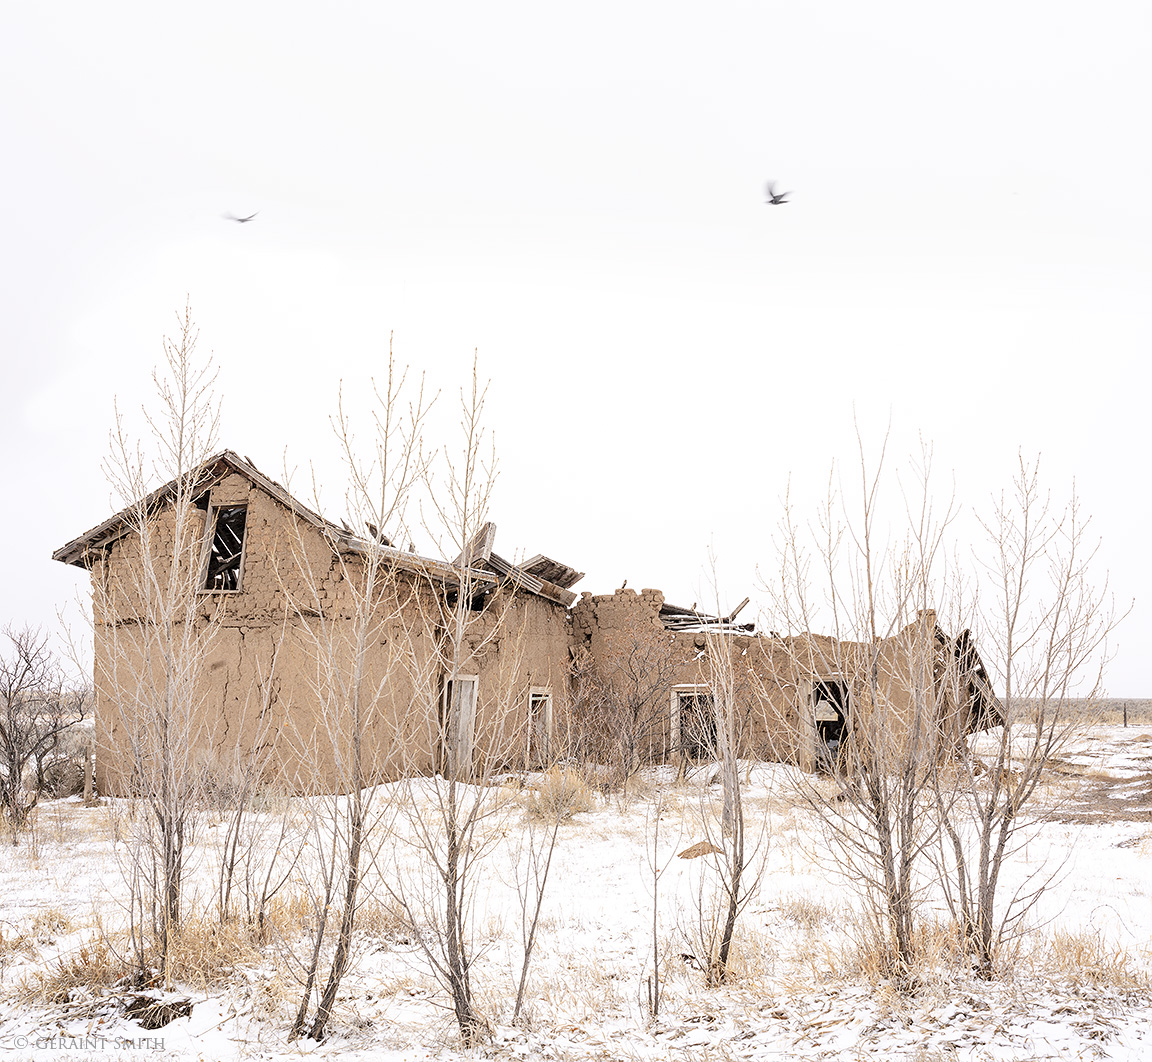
x: 578, y: 193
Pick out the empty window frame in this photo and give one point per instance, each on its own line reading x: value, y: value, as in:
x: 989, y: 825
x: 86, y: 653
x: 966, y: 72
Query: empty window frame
x: 225, y: 561
x: 694, y: 722
x: 539, y: 726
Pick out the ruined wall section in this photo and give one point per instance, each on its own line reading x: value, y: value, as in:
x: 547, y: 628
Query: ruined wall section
x: 602, y: 623
x: 772, y: 677
x: 905, y: 692
x: 626, y: 664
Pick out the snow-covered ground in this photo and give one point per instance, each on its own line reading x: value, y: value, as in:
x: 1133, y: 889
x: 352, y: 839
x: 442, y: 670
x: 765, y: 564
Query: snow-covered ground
x: 801, y: 988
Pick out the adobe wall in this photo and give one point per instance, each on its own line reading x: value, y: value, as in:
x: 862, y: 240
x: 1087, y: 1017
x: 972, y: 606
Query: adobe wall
x: 232, y: 655
x: 263, y: 687
x: 519, y: 643
x: 770, y: 696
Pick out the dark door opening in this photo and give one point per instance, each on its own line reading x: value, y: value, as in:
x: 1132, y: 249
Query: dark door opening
x: 830, y: 699
x: 697, y: 725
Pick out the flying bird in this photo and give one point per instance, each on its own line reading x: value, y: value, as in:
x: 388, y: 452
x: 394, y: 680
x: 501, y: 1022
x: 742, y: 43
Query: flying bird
x: 233, y: 217
x: 776, y: 198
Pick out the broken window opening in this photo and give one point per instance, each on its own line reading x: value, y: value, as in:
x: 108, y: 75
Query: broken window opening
x: 539, y: 727
x: 830, y: 708
x: 226, y: 553
x: 476, y: 600
x: 695, y: 723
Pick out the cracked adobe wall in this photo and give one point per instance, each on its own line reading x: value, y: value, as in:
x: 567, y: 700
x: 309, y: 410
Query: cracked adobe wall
x: 281, y: 649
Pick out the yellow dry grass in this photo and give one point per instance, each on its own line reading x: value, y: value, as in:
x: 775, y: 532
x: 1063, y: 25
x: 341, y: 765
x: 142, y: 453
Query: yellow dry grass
x: 377, y: 919
x: 205, y: 952
x: 27, y: 937
x: 291, y: 913
x: 561, y: 794
x: 868, y: 954
x: 95, y: 964
x: 1084, y: 958
x: 804, y: 911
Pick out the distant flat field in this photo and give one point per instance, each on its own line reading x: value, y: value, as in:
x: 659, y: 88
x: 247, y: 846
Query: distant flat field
x: 1110, y: 712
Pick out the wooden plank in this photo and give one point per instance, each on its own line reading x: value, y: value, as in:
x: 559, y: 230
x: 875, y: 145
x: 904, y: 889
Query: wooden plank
x: 736, y: 611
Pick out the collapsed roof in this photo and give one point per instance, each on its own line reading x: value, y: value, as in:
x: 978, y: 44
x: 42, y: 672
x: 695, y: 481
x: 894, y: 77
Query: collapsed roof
x: 975, y: 685
x: 688, y: 620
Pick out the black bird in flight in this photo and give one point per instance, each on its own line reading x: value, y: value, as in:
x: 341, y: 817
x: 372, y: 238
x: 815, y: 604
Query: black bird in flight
x: 233, y: 217
x: 776, y: 198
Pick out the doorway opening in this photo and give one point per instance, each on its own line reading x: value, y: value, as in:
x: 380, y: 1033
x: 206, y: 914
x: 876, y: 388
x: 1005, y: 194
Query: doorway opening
x: 830, y: 703
x: 694, y: 717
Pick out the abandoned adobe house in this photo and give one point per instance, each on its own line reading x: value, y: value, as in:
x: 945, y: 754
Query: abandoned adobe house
x: 277, y: 584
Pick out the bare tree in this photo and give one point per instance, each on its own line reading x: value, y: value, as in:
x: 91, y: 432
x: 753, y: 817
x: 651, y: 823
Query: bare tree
x: 532, y: 864
x: 1043, y: 631
x: 915, y: 810
x: 652, y: 987
x: 37, y: 708
x: 454, y: 818
x: 255, y: 863
x: 733, y: 851
x: 357, y: 681
x: 879, y: 591
x: 154, y: 630
x: 618, y: 716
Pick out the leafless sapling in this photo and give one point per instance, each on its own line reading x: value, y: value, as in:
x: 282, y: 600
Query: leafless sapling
x: 1043, y: 629
x: 357, y: 680
x: 153, y: 631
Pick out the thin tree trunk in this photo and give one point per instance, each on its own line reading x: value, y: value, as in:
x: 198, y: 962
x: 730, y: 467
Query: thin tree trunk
x: 344, y: 939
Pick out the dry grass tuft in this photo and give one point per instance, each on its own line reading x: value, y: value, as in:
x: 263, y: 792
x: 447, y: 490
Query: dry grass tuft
x: 44, y: 928
x: 381, y: 920
x: 1085, y: 959
x: 869, y: 953
x: 291, y: 913
x: 396, y: 985
x: 753, y: 957
x: 93, y: 965
x: 50, y: 924
x: 939, y: 947
x: 804, y: 911
x: 561, y: 794
x: 205, y: 952
x: 202, y: 953
x: 12, y: 943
